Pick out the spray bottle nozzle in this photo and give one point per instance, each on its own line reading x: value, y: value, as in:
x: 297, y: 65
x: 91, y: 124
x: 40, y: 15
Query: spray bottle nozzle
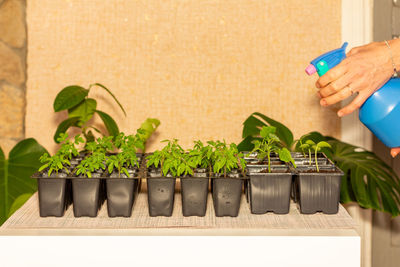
x: 327, y: 61
x: 311, y: 69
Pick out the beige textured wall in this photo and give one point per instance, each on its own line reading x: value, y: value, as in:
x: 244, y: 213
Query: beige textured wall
x: 201, y: 67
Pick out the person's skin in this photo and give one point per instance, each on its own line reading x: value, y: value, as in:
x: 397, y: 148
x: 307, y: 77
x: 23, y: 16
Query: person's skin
x: 363, y: 71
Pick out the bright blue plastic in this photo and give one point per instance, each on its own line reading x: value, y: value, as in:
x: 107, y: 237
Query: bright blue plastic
x: 381, y: 111
x: 332, y: 58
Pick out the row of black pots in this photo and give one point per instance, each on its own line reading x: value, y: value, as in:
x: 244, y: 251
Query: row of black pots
x: 312, y: 191
x: 226, y: 194
x: 267, y: 192
x: 87, y: 196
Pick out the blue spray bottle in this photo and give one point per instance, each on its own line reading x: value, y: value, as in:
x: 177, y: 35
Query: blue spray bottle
x: 381, y: 111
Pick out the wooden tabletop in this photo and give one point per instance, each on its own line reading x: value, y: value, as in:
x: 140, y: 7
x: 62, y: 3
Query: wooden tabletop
x: 26, y: 221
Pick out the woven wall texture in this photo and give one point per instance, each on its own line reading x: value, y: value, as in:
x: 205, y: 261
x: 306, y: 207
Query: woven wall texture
x: 201, y: 67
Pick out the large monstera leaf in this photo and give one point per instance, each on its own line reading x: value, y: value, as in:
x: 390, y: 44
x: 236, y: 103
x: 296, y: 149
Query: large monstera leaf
x: 15, y: 182
x: 367, y: 179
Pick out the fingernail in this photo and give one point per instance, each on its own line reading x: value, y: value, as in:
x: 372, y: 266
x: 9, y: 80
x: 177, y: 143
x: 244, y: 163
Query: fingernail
x: 319, y: 94
x: 323, y: 102
x: 340, y: 113
x: 394, y: 154
x: 317, y: 85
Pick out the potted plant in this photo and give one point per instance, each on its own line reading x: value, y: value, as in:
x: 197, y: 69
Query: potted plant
x: 270, y: 184
x: 194, y: 187
x: 227, y: 180
x: 87, y: 184
x: 317, y: 187
x: 53, y: 186
x: 162, y: 170
x: 122, y: 184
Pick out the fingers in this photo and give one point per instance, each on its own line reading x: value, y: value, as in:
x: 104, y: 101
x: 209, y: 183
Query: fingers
x: 336, y: 85
x: 395, y: 151
x: 332, y: 75
x: 355, y: 104
x: 339, y: 96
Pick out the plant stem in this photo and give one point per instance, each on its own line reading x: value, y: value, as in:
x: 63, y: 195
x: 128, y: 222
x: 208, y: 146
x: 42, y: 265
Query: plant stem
x: 309, y: 155
x: 269, y: 161
x: 316, y: 161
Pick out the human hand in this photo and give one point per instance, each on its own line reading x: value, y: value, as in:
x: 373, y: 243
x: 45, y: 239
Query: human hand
x: 363, y: 71
x: 395, y: 151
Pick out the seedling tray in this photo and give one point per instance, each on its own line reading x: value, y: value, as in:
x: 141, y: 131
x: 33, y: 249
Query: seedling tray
x: 269, y: 192
x: 194, y: 193
x: 318, y: 191
x: 88, y: 194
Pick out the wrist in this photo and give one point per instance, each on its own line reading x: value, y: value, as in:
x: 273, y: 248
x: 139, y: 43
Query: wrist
x: 394, y: 53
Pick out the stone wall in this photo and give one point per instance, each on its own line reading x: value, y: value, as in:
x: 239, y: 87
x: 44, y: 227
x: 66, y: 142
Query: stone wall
x: 12, y: 72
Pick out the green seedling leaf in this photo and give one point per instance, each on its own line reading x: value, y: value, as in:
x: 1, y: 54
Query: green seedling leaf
x: 310, y: 142
x: 266, y: 131
x: 323, y: 144
x: 69, y: 97
x: 84, y: 110
x: 284, y: 155
x: 110, y: 124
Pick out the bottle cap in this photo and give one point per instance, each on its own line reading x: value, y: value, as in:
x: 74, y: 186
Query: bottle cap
x: 311, y: 69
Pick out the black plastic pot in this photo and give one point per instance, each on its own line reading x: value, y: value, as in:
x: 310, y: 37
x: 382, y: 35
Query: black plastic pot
x: 160, y: 194
x: 318, y: 191
x: 53, y: 196
x: 194, y: 192
x: 87, y: 194
x: 270, y: 191
x: 121, y: 195
x: 226, y: 193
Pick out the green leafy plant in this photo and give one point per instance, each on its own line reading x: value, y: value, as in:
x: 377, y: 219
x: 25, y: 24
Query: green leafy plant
x: 118, y: 162
x: 60, y: 160
x: 16, y: 186
x: 128, y: 146
x: 172, y: 160
x: 75, y: 99
x: 201, y: 156
x: 310, y: 144
x: 91, y: 163
x: 367, y: 179
x: 226, y: 158
x: 269, y: 143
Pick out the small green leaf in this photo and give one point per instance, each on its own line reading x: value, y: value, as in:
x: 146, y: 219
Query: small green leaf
x: 267, y: 130
x: 64, y: 126
x: 110, y: 124
x: 323, y: 144
x: 69, y: 97
x: 310, y: 142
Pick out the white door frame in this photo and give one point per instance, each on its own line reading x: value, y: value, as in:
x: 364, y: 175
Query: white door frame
x: 357, y: 29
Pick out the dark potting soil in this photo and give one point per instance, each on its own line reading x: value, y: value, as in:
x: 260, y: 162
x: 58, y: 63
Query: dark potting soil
x: 266, y: 163
x: 273, y: 171
x: 320, y: 171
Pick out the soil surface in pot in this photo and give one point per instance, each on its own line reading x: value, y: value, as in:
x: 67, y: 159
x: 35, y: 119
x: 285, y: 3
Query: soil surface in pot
x: 273, y: 171
x: 320, y: 171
